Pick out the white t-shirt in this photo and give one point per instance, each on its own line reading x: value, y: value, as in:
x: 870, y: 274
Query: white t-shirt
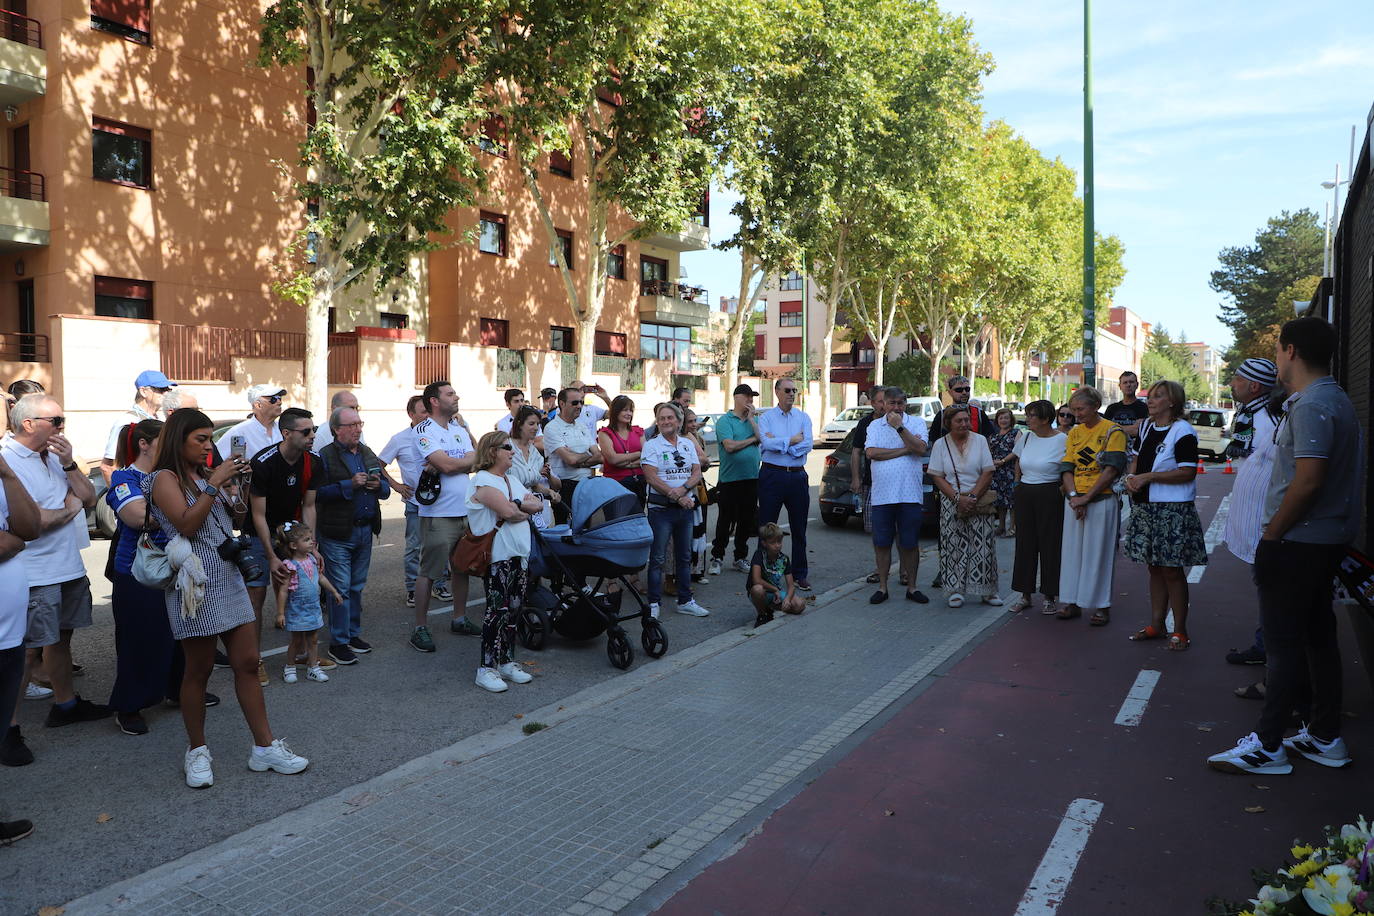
x: 961, y: 469
x: 255, y: 438
x: 14, y: 590
x: 673, y: 461
x: 403, y: 450
x: 590, y: 417
x: 56, y: 556
x: 431, y: 436
x: 1040, y: 457
x: 504, y: 424
x: 576, y: 437
x: 513, y: 538
x: 896, y: 480
x: 134, y: 414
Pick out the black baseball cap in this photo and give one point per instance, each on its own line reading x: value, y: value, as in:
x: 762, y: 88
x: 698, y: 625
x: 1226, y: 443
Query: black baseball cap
x: 745, y: 389
x: 549, y: 393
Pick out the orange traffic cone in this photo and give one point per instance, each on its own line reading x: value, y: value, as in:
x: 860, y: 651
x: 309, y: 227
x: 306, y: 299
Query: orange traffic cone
x: 1229, y: 469
x: 1200, y: 468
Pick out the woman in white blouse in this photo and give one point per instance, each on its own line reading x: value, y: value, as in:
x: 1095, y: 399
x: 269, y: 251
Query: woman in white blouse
x: 528, y: 464
x: 961, y: 469
x: 1038, y: 507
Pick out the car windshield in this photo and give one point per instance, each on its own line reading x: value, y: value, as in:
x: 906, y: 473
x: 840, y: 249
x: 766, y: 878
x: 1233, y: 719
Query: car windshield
x: 854, y: 413
x: 1206, y: 418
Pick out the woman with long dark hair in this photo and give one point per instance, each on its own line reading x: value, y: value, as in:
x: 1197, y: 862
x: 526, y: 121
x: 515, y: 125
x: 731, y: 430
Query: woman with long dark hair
x: 209, y: 600
x: 621, y: 443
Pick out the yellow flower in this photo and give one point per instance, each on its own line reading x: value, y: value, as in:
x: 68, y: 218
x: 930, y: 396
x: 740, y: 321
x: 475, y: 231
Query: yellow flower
x: 1342, y: 909
x: 1301, y: 852
x: 1303, y: 869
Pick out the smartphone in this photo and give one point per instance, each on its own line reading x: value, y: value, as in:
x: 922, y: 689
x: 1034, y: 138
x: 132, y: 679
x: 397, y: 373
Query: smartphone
x: 375, y: 472
x: 238, y: 445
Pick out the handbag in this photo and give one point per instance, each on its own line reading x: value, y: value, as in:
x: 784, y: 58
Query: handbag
x: 987, y: 501
x: 472, y: 554
x: 427, y: 488
x: 151, y: 567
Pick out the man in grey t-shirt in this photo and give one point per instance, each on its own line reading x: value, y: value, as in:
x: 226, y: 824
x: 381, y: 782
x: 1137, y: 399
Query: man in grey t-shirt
x: 1312, y: 510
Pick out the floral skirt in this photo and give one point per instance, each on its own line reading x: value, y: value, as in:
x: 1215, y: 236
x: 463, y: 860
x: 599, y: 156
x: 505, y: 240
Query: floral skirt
x: 1165, y: 534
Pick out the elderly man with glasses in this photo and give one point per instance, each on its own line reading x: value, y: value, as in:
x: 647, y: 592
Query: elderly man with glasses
x: 260, y: 429
x: 150, y: 388
x: 960, y: 391
x: 785, y: 442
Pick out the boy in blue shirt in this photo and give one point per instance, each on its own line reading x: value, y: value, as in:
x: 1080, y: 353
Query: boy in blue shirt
x: 771, y: 587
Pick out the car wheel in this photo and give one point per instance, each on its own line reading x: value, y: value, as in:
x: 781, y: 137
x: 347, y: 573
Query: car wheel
x: 835, y: 518
x: 105, y: 520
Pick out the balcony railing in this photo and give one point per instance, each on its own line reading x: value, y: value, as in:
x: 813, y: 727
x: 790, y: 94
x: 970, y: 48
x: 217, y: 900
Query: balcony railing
x: 431, y: 364
x: 24, y: 348
x: 675, y: 291
x: 23, y: 184
x: 207, y: 353
x: 22, y: 29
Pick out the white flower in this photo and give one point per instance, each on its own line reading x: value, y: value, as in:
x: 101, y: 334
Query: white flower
x: 1271, y: 898
x: 1332, y: 886
x: 1357, y: 831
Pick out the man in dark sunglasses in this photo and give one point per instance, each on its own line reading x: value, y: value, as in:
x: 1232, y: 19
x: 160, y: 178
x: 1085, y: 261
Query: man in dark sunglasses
x: 570, y: 445
x: 960, y: 392
x: 786, y: 441
x: 260, y: 429
x: 149, y: 389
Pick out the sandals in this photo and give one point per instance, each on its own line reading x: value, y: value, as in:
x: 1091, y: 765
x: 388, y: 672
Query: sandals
x: 1069, y: 612
x: 1179, y: 642
x: 1100, y: 618
x: 1019, y: 605
x: 1050, y: 608
x: 955, y: 600
x: 872, y: 578
x: 1146, y: 633
x: 1251, y: 691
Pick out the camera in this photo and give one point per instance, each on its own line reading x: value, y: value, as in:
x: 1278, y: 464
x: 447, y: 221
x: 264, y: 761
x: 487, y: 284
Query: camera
x: 236, y: 550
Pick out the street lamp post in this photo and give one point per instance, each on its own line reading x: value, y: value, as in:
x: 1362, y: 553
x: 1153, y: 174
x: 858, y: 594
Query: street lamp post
x: 1333, y: 220
x: 1089, y: 235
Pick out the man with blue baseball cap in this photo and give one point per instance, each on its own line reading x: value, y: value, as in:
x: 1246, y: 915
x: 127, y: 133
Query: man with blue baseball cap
x: 149, y: 388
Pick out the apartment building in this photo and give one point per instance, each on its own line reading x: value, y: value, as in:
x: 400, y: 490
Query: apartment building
x: 1121, y: 345
x: 1206, y: 362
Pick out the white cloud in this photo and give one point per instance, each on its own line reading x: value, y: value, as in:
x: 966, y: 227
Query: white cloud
x: 1348, y: 58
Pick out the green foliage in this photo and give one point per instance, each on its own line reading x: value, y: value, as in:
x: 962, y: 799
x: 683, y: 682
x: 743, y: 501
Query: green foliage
x: 1257, y: 280
x: 910, y: 372
x: 530, y: 728
x: 1170, y: 359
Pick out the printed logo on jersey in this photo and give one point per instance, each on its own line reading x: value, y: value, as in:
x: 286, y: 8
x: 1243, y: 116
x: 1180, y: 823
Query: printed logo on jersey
x: 122, y: 491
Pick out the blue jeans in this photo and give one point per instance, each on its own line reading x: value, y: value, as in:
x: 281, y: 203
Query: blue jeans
x: 677, y: 524
x: 790, y: 489
x: 346, y: 564
x: 412, y: 563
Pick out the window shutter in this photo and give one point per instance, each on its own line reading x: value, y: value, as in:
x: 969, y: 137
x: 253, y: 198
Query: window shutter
x: 788, y: 345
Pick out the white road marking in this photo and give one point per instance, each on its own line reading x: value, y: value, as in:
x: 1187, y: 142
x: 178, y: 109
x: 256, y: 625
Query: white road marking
x: 1051, y: 880
x: 1215, y: 533
x: 1133, y: 708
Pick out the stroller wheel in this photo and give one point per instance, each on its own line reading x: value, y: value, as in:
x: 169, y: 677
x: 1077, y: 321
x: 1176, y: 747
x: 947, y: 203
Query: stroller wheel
x: 618, y: 649
x: 654, y: 639
x: 533, y: 627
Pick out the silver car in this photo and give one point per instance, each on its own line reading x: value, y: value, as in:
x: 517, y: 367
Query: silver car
x: 833, y: 433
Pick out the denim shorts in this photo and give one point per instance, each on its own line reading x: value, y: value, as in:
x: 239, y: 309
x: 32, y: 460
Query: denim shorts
x: 889, y: 518
x: 259, y: 553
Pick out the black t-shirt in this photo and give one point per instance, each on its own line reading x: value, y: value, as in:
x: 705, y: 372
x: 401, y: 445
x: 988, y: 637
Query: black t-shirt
x: 1126, y: 414
x: 860, y: 442
x: 284, y: 484
x: 1185, y: 453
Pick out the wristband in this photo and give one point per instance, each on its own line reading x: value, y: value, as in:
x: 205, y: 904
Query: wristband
x: 69, y: 467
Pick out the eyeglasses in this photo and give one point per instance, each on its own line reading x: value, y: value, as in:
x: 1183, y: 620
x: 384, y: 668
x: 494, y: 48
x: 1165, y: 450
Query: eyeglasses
x: 271, y: 398
x: 57, y: 422
x: 357, y: 423
x: 963, y: 390
x: 304, y: 430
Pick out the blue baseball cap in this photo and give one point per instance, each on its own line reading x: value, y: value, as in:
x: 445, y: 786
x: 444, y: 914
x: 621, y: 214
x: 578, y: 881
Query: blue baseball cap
x: 151, y: 378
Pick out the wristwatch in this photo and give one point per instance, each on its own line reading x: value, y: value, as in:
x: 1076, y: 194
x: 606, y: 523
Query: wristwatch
x: 212, y: 489
x: 69, y: 467
x: 1073, y: 494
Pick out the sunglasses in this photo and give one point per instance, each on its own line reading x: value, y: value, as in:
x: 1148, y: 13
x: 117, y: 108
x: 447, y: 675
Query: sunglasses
x: 963, y: 390
x: 788, y: 390
x: 575, y: 403
x: 271, y: 398
x: 1066, y: 416
x: 507, y: 447
x: 57, y: 422
x: 306, y: 430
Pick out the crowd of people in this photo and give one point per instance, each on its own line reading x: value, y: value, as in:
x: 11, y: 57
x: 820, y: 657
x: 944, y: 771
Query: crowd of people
x: 279, y: 503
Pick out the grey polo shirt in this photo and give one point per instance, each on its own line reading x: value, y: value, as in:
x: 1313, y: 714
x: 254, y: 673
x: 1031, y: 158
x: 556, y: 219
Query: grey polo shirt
x: 1320, y: 423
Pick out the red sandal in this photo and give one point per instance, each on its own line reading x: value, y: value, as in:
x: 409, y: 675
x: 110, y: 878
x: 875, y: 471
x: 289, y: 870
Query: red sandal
x: 1178, y: 642
x: 1145, y: 633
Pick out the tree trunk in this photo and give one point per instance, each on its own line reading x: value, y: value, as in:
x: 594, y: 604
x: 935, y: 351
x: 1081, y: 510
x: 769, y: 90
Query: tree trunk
x: 1025, y: 378
x: 744, y: 311
x: 584, y: 348
x: 317, y: 340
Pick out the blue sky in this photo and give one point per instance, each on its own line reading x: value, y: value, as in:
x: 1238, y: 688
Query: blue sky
x: 1210, y: 117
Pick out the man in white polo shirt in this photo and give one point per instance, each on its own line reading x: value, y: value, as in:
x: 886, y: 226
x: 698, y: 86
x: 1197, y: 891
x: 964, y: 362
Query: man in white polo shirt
x: 18, y: 523
x: 260, y: 430
x: 894, y: 446
x: 571, y: 446
x: 59, y: 592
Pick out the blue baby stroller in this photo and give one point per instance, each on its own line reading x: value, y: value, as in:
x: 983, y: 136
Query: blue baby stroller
x: 607, y: 538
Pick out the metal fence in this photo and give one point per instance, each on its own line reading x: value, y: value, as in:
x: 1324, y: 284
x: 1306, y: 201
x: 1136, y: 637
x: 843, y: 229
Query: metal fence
x: 207, y: 353
x: 25, y: 348
x: 431, y: 363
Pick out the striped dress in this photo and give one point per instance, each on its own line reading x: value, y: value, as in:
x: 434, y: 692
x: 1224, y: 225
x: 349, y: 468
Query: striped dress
x: 1245, y: 519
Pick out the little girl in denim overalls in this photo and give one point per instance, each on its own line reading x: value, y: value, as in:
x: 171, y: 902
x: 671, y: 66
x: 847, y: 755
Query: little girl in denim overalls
x: 298, y: 599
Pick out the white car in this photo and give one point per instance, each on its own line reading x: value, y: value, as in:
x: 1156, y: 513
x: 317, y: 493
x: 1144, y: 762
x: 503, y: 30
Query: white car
x: 833, y: 433
x: 1213, y: 428
x: 924, y: 407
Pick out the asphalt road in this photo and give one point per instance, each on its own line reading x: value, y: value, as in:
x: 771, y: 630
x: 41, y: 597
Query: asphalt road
x: 108, y: 806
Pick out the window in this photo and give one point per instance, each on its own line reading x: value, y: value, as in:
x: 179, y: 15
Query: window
x: 492, y: 138
x: 615, y: 263
x: 661, y: 341
x: 561, y: 339
x: 395, y: 320
x: 117, y: 297
x: 866, y: 356
x: 121, y: 153
x: 791, y: 281
x: 492, y: 237
x: 790, y: 314
x: 495, y: 332
x: 565, y: 241
x: 789, y: 350
x: 125, y: 18
x: 560, y: 164
x: 609, y: 344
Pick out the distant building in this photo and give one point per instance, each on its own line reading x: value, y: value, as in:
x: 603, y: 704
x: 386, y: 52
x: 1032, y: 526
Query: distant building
x: 1121, y: 345
x: 1206, y: 362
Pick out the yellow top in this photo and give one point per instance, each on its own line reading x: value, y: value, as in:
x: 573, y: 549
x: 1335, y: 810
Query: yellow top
x: 1090, y: 450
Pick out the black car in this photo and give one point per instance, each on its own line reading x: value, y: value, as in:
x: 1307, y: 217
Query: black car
x: 838, y: 504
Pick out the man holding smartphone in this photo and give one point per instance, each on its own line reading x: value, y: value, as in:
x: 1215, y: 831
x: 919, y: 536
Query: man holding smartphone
x: 348, y: 516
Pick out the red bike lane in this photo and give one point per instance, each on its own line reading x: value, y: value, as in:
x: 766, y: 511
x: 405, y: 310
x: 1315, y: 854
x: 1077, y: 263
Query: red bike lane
x: 950, y: 806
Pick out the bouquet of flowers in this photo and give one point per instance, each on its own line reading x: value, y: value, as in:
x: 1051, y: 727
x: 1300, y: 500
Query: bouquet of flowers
x: 1333, y: 879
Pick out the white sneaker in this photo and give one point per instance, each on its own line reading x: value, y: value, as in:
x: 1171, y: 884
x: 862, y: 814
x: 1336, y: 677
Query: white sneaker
x: 197, y: 768
x: 692, y: 609
x: 34, y: 692
x: 955, y: 600
x: 316, y: 674
x: 742, y: 566
x: 512, y: 671
x: 277, y: 757
x: 288, y: 674
x: 1331, y: 753
x: 490, y: 679
x: 994, y: 600
x: 653, y: 610
x: 714, y: 568
x: 1249, y: 756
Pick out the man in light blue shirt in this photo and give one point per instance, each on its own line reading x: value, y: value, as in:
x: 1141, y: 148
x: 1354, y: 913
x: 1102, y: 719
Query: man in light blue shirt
x: 785, y: 441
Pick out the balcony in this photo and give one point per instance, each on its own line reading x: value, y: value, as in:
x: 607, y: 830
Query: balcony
x: 23, y: 210
x: 662, y: 302
x: 23, y: 62
x: 694, y: 235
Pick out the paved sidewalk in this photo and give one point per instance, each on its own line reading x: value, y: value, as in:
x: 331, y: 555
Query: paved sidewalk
x: 631, y: 780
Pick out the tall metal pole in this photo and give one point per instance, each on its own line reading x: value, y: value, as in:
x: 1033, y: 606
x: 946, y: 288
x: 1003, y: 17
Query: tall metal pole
x: 806, y: 331
x: 1089, y: 235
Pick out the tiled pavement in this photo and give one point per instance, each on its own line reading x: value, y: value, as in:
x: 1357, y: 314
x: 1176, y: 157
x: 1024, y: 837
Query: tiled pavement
x: 630, y: 781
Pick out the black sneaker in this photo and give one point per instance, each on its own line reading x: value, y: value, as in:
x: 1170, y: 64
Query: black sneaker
x: 222, y: 660
x: 343, y: 655
x: 410, y: 599
x: 1251, y: 656
x: 360, y: 645
x: 78, y: 670
x: 210, y: 700
x: 131, y: 723
x: 461, y: 626
x: 83, y: 711
x: 13, y: 751
x: 14, y: 831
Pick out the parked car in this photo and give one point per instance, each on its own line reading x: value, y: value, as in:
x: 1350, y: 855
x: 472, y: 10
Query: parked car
x: 925, y: 408
x: 838, y: 505
x: 833, y: 433
x: 1213, y: 426
x: 708, y: 434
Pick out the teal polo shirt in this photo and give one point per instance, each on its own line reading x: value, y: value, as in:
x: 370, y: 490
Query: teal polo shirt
x: 740, y: 465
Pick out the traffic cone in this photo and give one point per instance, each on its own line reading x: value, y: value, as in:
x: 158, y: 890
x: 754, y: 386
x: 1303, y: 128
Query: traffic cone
x: 1200, y: 468
x: 1229, y: 469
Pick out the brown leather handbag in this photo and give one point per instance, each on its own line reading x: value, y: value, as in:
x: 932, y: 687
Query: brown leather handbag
x: 472, y: 554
